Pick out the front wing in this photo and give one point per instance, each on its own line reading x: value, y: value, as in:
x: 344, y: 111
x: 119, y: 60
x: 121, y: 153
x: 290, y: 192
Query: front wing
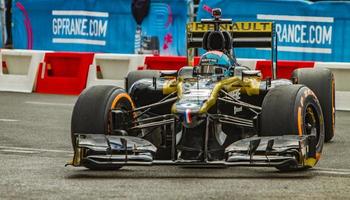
x: 109, y: 150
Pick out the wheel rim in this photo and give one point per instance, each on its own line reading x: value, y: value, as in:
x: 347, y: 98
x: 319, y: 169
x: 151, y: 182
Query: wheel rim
x: 311, y: 122
x: 121, y: 102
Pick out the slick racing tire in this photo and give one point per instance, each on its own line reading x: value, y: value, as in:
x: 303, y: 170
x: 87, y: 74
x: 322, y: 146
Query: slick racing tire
x: 91, y: 113
x: 321, y: 82
x: 134, y: 76
x: 292, y: 110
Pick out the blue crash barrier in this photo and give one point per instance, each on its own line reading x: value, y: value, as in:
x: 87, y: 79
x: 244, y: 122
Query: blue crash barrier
x: 96, y: 25
x: 306, y: 30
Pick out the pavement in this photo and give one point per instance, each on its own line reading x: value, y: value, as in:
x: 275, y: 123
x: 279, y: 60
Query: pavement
x: 35, y: 145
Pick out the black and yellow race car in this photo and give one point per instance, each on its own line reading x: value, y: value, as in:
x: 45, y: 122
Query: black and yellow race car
x: 218, y: 113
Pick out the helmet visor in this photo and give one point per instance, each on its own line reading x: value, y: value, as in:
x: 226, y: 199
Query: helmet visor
x: 211, y: 70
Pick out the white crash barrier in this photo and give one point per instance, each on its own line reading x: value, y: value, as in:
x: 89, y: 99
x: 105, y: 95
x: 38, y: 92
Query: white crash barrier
x: 342, y: 100
x: 111, y: 69
x: 19, y: 69
x: 341, y: 73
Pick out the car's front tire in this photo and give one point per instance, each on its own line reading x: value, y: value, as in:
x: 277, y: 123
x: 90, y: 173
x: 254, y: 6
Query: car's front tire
x: 321, y: 82
x: 292, y: 110
x: 92, y: 113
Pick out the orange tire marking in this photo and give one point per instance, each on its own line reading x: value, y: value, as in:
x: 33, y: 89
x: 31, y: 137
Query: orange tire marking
x: 300, y: 130
x: 119, y: 96
x: 127, y: 96
x: 114, y: 103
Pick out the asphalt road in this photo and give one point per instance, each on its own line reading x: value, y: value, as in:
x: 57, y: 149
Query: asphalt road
x: 35, y: 145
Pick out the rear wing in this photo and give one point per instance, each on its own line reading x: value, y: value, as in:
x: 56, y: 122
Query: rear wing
x: 244, y: 35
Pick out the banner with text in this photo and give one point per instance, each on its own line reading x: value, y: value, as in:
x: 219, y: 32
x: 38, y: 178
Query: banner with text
x: 306, y: 31
x: 91, y: 25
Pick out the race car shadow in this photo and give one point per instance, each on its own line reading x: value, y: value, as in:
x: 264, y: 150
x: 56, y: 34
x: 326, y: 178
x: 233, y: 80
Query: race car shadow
x: 189, y: 173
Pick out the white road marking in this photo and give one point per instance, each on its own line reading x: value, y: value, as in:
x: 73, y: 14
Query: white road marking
x: 9, y: 120
x: 13, y: 149
x: 18, y: 151
x: 48, y: 103
x: 332, y: 171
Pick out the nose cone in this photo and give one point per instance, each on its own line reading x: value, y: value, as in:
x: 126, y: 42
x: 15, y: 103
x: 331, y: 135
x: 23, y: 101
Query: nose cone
x: 188, y: 112
x: 192, y: 96
x: 183, y: 106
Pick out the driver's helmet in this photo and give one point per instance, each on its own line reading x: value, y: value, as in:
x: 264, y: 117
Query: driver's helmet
x: 214, y: 63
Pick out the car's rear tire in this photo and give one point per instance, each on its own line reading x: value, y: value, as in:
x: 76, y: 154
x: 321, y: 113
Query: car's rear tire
x: 321, y: 82
x: 91, y: 113
x: 292, y: 110
x: 134, y: 76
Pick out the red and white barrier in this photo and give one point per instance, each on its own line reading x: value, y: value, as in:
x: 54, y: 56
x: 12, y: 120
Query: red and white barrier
x: 166, y: 62
x: 251, y: 63
x: 284, y: 68
x: 19, y: 69
x: 64, y: 73
x: 70, y: 73
x: 177, y: 62
x: 111, y: 69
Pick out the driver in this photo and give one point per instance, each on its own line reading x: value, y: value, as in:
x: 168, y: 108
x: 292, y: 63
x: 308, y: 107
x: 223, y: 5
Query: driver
x: 216, y: 63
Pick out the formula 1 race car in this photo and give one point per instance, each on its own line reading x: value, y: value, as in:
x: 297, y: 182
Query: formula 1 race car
x: 218, y: 113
